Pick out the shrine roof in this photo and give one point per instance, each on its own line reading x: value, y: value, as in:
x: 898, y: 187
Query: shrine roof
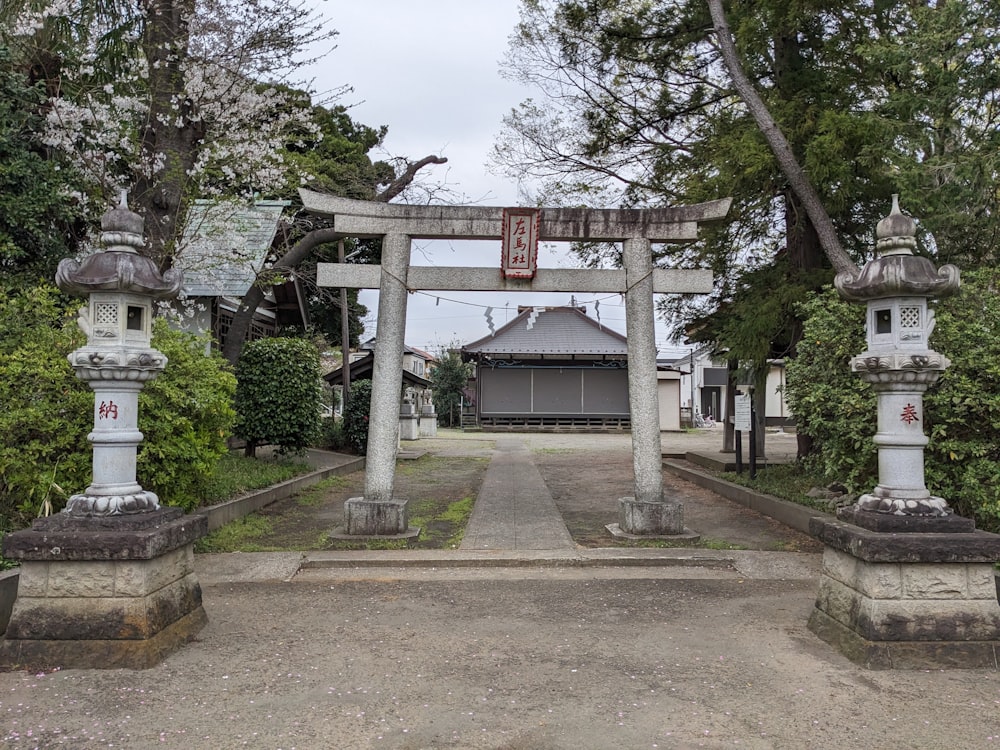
x: 551, y: 331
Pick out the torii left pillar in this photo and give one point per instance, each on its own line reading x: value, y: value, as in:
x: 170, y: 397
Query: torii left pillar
x: 646, y: 513
x: 378, y: 513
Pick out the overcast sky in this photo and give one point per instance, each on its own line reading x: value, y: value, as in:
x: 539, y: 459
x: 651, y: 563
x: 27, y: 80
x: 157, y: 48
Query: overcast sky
x: 429, y: 70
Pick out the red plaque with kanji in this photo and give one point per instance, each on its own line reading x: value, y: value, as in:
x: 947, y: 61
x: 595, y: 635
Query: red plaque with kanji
x: 519, y: 258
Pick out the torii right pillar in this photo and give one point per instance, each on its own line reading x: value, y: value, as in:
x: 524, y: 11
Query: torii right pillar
x: 906, y: 583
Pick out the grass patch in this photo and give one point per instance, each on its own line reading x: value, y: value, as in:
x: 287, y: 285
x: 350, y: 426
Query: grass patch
x: 719, y: 544
x: 442, y: 526
x: 426, y: 462
x: 236, y: 474
x: 787, y: 481
x: 312, y: 496
x: 241, y: 535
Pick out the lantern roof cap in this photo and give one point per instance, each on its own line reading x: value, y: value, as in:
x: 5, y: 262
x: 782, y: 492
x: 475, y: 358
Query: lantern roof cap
x: 121, y: 228
x: 896, y: 271
x: 896, y: 234
x: 118, y: 267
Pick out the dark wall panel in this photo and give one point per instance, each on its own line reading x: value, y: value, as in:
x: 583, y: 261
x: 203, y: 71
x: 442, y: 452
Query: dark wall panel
x: 504, y: 391
x: 557, y: 391
x: 605, y: 392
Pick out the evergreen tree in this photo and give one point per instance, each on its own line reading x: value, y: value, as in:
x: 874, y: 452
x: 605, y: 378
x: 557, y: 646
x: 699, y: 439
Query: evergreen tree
x: 40, y: 213
x: 639, y: 110
x: 450, y: 377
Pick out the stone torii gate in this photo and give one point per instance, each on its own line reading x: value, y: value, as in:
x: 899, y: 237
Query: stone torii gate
x: 648, y: 512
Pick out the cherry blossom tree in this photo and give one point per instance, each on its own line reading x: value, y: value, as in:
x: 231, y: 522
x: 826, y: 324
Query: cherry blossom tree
x: 172, y: 99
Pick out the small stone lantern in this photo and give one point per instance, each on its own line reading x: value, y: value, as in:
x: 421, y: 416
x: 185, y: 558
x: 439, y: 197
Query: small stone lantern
x: 117, y: 359
x: 899, y: 362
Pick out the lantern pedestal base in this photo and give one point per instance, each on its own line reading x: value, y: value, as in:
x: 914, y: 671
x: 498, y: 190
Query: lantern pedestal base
x: 930, y: 505
x: 103, y: 593
x: 919, y: 598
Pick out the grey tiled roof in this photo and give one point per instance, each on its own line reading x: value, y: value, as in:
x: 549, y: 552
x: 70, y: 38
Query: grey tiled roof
x: 551, y: 331
x: 224, y: 246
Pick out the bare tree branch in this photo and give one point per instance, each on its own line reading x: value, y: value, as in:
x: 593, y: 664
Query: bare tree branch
x: 287, y: 263
x: 404, y: 180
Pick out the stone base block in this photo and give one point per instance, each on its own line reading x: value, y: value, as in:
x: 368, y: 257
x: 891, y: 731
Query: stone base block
x: 904, y: 654
x: 918, y: 600
x: 411, y: 532
x: 36, y: 654
x: 892, y: 523
x: 685, y: 537
x: 375, y: 517
x: 103, y: 593
x: 428, y: 425
x: 409, y: 428
x: 644, y: 518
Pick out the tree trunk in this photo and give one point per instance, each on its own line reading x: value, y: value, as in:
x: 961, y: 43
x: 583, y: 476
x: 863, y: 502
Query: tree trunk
x: 806, y: 229
x: 789, y: 165
x: 728, y: 426
x: 243, y: 317
x: 171, y: 136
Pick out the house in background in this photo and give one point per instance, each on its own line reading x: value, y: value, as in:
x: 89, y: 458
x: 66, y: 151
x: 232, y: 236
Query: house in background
x: 555, y: 367
x: 415, y: 386
x: 704, y: 382
x: 223, y: 249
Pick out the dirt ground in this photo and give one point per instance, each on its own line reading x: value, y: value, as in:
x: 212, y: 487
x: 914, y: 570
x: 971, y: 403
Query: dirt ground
x: 586, y: 475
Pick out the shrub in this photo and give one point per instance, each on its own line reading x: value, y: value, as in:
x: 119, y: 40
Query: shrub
x: 356, y: 416
x: 278, y: 395
x: 332, y: 434
x: 186, y: 416
x: 833, y: 406
x: 961, y: 412
x: 47, y: 413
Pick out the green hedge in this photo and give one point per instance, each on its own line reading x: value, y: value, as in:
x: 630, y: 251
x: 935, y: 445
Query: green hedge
x: 961, y: 412
x: 278, y: 394
x: 47, y: 413
x: 356, y: 416
x: 186, y: 417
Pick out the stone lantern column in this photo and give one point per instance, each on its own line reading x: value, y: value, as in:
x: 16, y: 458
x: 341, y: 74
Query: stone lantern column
x: 905, y: 583
x: 110, y: 581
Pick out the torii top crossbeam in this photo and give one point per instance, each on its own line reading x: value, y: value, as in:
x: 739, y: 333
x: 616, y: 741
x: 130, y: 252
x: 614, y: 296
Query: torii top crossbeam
x: 367, y: 219
x: 371, y: 219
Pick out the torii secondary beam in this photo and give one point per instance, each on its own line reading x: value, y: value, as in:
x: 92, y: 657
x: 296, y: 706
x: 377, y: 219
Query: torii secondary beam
x: 647, y: 512
x: 460, y: 278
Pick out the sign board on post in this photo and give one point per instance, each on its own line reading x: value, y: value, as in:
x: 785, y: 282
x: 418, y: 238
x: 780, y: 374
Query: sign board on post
x: 743, y: 421
x: 519, y: 258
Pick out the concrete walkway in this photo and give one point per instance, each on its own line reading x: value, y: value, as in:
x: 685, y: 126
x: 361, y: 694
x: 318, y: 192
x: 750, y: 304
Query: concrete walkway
x: 514, y: 509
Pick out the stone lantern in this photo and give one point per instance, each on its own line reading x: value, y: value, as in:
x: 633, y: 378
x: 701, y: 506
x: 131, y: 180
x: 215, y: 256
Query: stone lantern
x: 905, y: 583
x: 109, y: 582
x: 899, y: 362
x: 117, y: 359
